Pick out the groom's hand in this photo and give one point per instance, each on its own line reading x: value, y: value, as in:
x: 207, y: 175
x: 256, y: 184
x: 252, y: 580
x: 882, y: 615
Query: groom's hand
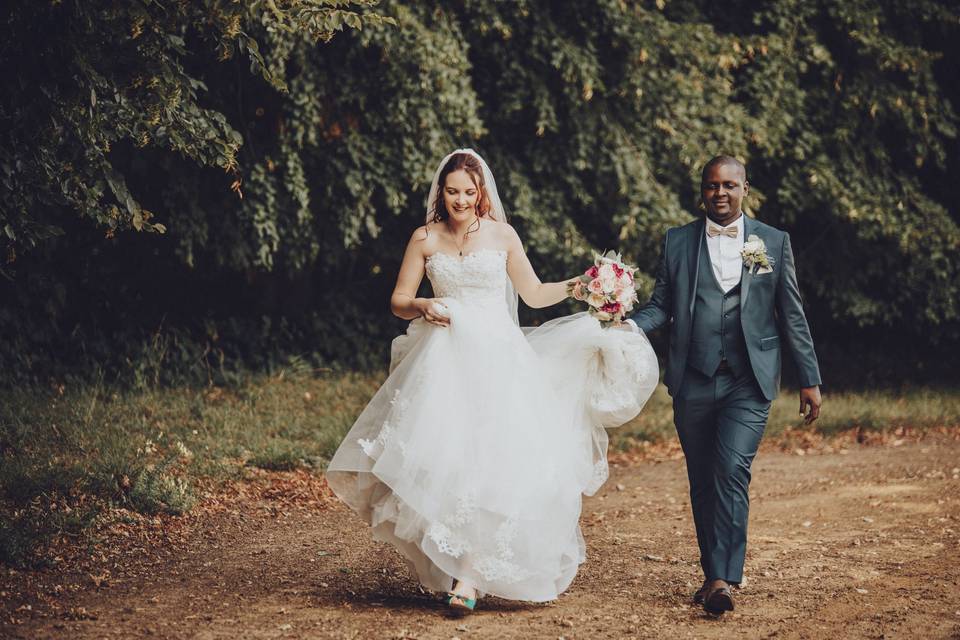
x: 628, y: 325
x: 810, y: 399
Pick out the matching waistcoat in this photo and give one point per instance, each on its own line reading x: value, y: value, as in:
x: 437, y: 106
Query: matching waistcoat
x: 716, y: 333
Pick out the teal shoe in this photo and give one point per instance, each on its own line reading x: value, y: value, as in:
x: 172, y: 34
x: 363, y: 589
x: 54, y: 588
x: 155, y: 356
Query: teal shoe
x: 460, y: 603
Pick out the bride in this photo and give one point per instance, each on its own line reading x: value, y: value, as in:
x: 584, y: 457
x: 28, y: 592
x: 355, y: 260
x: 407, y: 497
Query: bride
x: 472, y: 457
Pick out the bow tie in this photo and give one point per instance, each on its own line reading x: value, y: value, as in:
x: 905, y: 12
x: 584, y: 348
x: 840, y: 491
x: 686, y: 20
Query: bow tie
x: 713, y: 232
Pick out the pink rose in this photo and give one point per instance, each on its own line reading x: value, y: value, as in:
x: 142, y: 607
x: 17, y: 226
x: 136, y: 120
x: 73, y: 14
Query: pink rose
x: 592, y: 272
x: 611, y: 307
x: 617, y: 270
x: 595, y: 286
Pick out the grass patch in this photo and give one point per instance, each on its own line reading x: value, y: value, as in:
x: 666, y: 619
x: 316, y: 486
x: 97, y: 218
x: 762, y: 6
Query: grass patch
x: 24, y: 531
x: 277, y: 457
x: 156, y: 490
x: 871, y: 410
x: 66, y: 454
x: 92, y: 447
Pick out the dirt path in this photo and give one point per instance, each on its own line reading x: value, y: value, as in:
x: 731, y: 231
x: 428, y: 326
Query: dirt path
x: 861, y: 543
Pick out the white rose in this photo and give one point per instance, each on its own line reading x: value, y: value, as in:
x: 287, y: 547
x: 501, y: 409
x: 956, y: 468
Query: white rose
x: 596, y: 300
x: 608, y: 283
x: 627, y: 297
x: 754, y: 244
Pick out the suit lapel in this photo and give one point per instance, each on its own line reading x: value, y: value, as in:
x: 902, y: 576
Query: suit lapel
x: 746, y: 278
x: 693, y: 258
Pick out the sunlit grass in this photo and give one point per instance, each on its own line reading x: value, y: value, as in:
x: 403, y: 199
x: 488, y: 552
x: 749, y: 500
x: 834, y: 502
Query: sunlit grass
x: 144, y: 450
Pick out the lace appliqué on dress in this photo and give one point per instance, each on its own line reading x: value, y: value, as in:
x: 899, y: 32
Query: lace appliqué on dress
x: 478, y: 278
x: 494, y: 567
x: 442, y: 533
x: 500, y: 567
x: 375, y: 447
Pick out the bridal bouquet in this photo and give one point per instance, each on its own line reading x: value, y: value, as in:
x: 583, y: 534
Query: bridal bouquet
x: 607, y: 287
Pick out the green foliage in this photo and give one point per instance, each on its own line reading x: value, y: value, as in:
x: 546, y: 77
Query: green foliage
x: 86, y: 78
x: 595, y: 118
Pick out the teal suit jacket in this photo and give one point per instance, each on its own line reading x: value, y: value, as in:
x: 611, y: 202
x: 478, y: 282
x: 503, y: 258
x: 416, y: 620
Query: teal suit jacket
x: 771, y: 311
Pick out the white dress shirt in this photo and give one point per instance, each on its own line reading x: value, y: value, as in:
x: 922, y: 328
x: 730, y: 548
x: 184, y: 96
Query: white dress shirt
x: 725, y: 254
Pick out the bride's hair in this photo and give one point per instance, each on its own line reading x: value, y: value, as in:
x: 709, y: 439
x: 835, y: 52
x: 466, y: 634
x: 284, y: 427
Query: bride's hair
x: 469, y: 163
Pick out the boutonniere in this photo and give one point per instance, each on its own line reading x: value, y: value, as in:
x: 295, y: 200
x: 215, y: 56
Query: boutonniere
x: 755, y: 257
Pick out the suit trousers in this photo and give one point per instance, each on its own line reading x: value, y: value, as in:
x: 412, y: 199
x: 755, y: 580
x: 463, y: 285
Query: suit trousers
x: 720, y: 420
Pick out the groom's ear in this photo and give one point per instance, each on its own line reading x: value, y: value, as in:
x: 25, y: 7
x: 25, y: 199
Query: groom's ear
x: 746, y: 187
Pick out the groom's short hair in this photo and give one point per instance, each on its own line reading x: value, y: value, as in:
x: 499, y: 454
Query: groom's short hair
x: 717, y: 161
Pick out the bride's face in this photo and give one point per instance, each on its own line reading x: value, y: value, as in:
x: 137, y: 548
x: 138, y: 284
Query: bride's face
x: 460, y: 195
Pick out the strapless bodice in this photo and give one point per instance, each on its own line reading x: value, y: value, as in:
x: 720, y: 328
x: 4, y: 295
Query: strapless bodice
x: 476, y: 279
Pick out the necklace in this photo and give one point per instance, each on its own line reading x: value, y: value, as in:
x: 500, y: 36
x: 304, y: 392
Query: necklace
x: 465, y: 236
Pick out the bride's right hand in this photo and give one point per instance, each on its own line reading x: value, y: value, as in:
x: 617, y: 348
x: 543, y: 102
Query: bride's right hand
x: 430, y: 310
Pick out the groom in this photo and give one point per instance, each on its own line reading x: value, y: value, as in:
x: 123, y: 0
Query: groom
x: 727, y: 288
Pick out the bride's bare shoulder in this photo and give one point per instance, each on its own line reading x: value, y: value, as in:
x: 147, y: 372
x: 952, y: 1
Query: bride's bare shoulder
x: 505, y: 233
x: 428, y: 232
x: 424, y: 237
x: 503, y: 230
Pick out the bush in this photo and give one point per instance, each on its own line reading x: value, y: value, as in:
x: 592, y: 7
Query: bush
x: 595, y: 117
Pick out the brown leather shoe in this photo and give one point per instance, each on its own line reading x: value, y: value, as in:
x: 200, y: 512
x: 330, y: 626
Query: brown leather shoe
x: 701, y: 593
x: 718, y: 600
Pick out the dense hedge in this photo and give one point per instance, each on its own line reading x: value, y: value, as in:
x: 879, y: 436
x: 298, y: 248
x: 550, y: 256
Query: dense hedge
x: 194, y: 188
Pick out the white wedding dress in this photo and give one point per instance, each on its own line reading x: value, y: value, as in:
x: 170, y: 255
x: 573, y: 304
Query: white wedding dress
x: 472, y: 457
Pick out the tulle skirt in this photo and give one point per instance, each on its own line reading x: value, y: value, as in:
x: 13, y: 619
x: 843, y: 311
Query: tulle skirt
x: 472, y: 457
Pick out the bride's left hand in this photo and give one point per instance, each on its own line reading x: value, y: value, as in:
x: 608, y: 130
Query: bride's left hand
x: 433, y: 310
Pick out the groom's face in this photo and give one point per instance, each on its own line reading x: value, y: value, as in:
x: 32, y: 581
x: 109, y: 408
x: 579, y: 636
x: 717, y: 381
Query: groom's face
x: 723, y: 188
